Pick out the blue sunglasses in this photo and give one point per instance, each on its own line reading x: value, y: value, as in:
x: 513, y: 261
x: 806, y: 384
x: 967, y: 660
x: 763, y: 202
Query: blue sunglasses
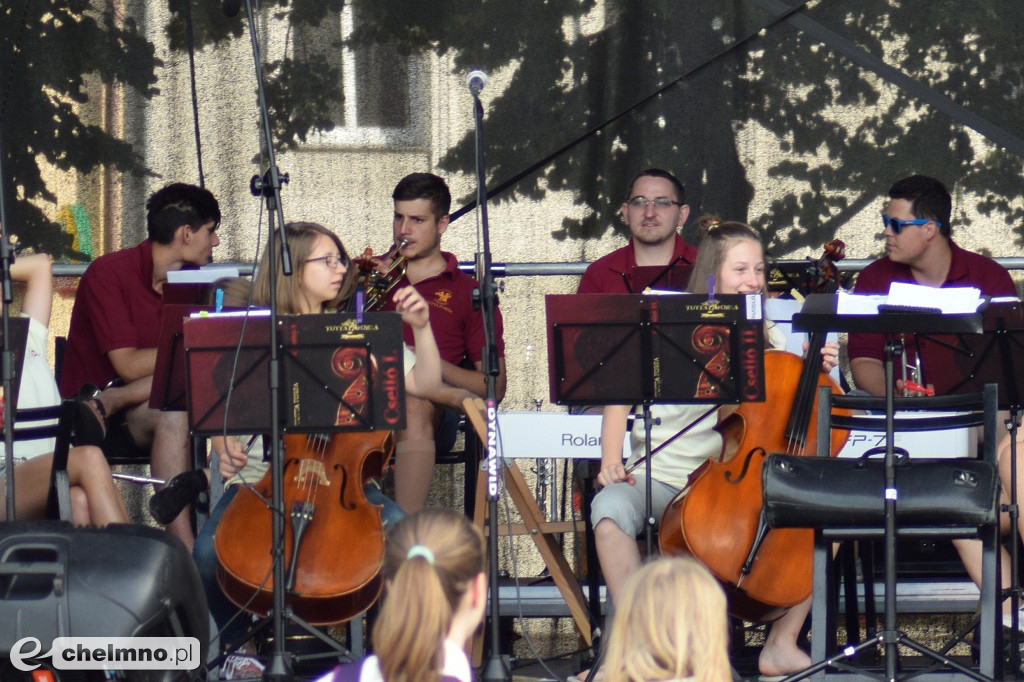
x: 897, y: 225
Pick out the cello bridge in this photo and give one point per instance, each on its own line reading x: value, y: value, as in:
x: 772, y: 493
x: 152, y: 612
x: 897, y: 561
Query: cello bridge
x: 312, y: 471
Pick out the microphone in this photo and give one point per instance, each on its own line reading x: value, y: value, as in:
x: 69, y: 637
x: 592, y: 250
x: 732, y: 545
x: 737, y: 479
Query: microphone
x: 231, y: 7
x: 476, y: 80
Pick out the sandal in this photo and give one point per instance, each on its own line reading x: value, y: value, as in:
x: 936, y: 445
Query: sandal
x: 180, y: 491
x: 90, y: 424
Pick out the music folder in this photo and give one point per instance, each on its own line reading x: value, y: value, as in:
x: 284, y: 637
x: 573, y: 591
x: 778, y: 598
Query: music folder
x: 337, y: 374
x: 678, y: 348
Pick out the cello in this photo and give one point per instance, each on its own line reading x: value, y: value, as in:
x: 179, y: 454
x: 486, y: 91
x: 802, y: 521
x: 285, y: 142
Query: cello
x: 333, y: 539
x: 717, y: 517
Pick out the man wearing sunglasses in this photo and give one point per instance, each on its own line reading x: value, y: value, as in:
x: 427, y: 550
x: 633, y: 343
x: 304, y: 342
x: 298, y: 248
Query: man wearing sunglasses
x: 654, y: 210
x: 919, y: 250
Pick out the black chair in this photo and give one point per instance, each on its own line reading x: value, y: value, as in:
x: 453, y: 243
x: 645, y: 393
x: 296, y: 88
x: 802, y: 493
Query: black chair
x: 976, y: 409
x: 61, y: 430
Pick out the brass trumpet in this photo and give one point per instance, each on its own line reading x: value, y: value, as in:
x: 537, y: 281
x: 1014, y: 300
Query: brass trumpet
x: 377, y: 283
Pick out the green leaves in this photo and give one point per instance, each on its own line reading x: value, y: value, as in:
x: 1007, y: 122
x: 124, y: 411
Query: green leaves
x: 53, y: 55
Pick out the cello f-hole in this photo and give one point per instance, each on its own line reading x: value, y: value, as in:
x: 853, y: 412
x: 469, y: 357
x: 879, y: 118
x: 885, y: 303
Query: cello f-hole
x: 746, y: 465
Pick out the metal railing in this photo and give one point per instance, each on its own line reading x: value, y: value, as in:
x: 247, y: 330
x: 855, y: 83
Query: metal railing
x: 554, y: 269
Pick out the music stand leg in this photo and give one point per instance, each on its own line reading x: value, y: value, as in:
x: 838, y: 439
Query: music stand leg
x: 649, y: 520
x: 1013, y: 510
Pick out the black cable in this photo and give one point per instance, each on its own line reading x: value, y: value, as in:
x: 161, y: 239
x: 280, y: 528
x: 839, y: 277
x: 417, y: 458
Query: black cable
x: 629, y: 109
x: 190, y: 37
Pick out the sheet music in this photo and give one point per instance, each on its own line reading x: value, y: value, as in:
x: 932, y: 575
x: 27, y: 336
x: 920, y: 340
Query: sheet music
x: 950, y: 300
x: 204, y: 275
x: 858, y: 304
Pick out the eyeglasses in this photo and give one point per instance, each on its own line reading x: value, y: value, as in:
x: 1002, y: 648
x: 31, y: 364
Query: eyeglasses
x: 661, y: 203
x: 897, y: 225
x: 331, y: 260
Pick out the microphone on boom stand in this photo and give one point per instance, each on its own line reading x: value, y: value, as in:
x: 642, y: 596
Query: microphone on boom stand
x: 495, y: 669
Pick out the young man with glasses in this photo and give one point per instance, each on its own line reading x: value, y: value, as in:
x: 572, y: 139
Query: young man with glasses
x: 919, y: 250
x: 421, y: 205
x: 115, y: 326
x: 654, y: 210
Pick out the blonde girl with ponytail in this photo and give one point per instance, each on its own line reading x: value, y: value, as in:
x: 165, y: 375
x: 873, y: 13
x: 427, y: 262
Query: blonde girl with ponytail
x: 434, y: 599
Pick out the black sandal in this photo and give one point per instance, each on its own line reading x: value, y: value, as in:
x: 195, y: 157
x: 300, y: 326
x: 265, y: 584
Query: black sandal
x: 180, y: 491
x: 90, y: 425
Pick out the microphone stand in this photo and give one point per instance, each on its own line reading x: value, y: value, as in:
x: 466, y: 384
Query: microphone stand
x: 279, y: 667
x: 495, y: 669
x: 6, y: 353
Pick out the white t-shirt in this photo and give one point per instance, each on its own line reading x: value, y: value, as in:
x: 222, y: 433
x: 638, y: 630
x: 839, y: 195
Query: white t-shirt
x: 37, y: 389
x: 681, y: 457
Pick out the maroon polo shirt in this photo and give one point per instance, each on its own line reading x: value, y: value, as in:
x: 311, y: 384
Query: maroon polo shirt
x: 115, y: 307
x: 966, y: 269
x: 613, y: 273
x: 457, y: 327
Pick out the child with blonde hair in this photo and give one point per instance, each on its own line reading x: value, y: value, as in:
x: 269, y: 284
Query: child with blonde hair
x: 670, y: 624
x: 435, y: 594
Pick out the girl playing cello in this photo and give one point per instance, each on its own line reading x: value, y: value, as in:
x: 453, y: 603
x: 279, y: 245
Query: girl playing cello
x: 733, y: 254
x: 322, y: 282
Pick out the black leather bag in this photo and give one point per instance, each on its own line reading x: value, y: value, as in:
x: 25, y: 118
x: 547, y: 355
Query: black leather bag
x: 819, y: 492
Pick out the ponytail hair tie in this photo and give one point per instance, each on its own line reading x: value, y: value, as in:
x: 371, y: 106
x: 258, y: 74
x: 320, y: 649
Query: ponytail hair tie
x: 420, y: 551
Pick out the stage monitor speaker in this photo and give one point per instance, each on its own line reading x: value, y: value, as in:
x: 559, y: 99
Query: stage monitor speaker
x: 120, y: 581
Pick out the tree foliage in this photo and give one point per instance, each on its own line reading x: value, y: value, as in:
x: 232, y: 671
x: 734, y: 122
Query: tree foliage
x: 731, y: 70
x: 52, y: 53
x: 843, y: 133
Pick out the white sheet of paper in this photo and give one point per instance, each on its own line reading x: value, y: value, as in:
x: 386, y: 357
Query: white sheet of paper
x: 950, y: 300
x: 204, y: 275
x: 858, y: 304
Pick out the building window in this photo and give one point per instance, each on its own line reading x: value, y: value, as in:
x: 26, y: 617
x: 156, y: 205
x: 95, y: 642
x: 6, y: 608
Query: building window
x: 385, y: 95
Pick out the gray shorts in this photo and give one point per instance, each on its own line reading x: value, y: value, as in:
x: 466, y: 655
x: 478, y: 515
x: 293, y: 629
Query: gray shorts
x: 624, y: 504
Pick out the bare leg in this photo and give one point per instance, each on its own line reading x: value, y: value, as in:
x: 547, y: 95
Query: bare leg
x: 971, y: 552
x: 88, y: 472
x: 167, y: 435
x: 170, y: 457
x: 618, y: 554
x: 780, y: 654
x: 1005, y: 470
x: 415, y: 455
x: 94, y: 498
x: 31, y: 488
x: 79, y: 507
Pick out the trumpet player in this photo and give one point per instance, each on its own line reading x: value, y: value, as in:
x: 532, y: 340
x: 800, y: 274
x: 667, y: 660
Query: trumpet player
x: 920, y: 250
x: 421, y: 205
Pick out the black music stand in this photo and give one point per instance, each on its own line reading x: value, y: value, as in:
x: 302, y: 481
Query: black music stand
x: 326, y: 360
x: 615, y: 349
x: 995, y: 356
x: 17, y: 327
x: 819, y: 315
x: 168, y: 390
